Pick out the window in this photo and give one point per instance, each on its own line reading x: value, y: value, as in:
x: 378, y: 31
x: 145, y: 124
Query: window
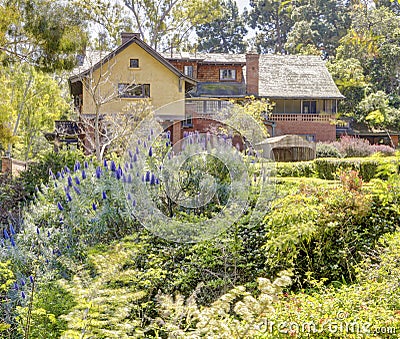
x: 309, y: 107
x: 188, y: 70
x: 133, y: 91
x: 227, y: 74
x: 188, y: 122
x: 134, y: 63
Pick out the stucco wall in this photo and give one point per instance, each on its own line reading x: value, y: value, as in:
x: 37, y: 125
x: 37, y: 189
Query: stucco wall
x: 164, y: 84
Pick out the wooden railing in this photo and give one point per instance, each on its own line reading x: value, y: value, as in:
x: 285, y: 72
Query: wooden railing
x: 301, y: 117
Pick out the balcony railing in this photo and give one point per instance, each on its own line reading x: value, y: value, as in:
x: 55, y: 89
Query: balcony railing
x: 67, y: 127
x: 302, y: 117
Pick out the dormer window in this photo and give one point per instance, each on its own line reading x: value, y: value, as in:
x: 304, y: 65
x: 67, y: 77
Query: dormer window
x: 227, y: 74
x: 134, y: 63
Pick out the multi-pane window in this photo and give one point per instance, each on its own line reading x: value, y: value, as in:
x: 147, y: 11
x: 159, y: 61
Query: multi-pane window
x: 309, y: 107
x: 134, y: 63
x: 133, y: 90
x: 188, y: 70
x: 227, y: 74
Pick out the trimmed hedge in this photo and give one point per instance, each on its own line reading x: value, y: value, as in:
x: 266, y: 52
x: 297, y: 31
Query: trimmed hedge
x: 327, y: 168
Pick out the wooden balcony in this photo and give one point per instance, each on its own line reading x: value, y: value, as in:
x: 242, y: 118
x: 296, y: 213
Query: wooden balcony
x: 302, y: 117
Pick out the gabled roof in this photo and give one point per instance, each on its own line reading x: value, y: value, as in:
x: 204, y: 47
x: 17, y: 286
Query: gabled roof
x: 96, y: 60
x: 295, y: 77
x: 208, y: 58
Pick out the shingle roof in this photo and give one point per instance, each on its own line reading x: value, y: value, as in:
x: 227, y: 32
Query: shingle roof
x: 295, y: 77
x: 219, y: 58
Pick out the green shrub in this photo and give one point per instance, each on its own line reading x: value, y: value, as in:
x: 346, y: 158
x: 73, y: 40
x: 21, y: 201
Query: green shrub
x: 295, y: 169
x: 327, y: 150
x: 328, y: 168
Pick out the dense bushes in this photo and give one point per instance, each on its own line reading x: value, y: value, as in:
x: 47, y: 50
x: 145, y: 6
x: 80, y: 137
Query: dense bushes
x: 324, y: 150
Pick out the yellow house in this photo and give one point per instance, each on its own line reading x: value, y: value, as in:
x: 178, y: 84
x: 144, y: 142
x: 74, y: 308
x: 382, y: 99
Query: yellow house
x: 132, y: 71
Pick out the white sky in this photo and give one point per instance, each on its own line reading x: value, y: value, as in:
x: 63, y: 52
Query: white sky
x: 242, y: 4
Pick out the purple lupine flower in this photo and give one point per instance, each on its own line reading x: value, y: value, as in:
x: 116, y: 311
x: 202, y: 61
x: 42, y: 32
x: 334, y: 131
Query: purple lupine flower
x: 134, y: 203
x: 168, y: 134
x: 67, y: 169
x: 129, y: 178
x: 6, y: 235
x: 124, y: 178
x: 98, y: 172
x: 137, y: 150
x: 150, y: 151
x: 60, y: 206
x: 104, y: 195
x: 59, y: 175
x: 12, y: 241
x: 131, y: 166
x: 137, y: 174
x: 135, y: 158
x: 105, y: 163
x: 148, y: 138
x: 85, y: 164
x: 51, y: 173
x: 77, y: 190
x: 69, y: 198
x: 69, y: 181
x: 84, y: 176
x: 151, y: 131
x: 129, y: 196
x: 157, y: 181
x: 130, y: 154
x: 12, y: 231
x: 139, y: 142
x: 147, y: 178
x: 143, y: 178
x: 31, y: 279
x: 48, y: 234
x: 94, y: 207
x: 153, y: 179
x: 77, y: 166
x: 185, y: 134
x: 55, y: 185
x: 16, y: 287
x: 78, y: 182
x: 144, y: 144
x: 61, y: 220
x: 2, y: 243
x: 118, y: 175
x: 37, y: 230
x: 113, y: 166
x: 22, y: 282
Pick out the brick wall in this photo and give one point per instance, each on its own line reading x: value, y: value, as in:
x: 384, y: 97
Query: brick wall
x: 323, y: 131
x: 252, y: 72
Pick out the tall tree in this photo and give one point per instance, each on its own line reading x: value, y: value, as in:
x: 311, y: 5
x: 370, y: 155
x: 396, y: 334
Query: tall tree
x: 166, y: 24
x: 225, y: 34
x: 272, y: 21
x: 31, y: 101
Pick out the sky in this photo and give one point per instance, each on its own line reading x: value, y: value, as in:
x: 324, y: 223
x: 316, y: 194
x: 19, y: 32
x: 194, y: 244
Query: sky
x: 242, y: 4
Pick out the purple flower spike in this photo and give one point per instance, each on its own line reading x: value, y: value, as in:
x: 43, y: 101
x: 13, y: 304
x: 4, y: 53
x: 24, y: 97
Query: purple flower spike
x: 69, y: 198
x: 31, y: 279
x: 134, y: 203
x: 137, y: 150
x: 60, y: 206
x: 139, y: 142
x: 129, y: 178
x: 12, y: 241
x: 151, y: 132
x: 77, y: 190
x: 12, y: 231
x: 129, y: 196
x: 69, y: 181
x: 37, y: 230
x: 144, y: 144
x: 23, y: 295
x: 84, y: 176
x: 77, y: 181
x: 58, y: 175
x: 130, y: 154
x: 6, y: 235
x: 51, y: 173
x: 135, y: 158
x: 104, y: 195
x: 16, y: 287
x: 147, y: 178
x: 113, y: 166
x: 98, y: 172
x: 105, y: 163
x: 157, y: 181
x: 148, y: 138
x: 67, y: 169
x: 150, y: 151
x: 94, y: 207
x: 48, y: 234
x: 22, y: 282
x: 143, y: 178
x: 118, y: 175
x: 153, y: 179
x: 86, y: 164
